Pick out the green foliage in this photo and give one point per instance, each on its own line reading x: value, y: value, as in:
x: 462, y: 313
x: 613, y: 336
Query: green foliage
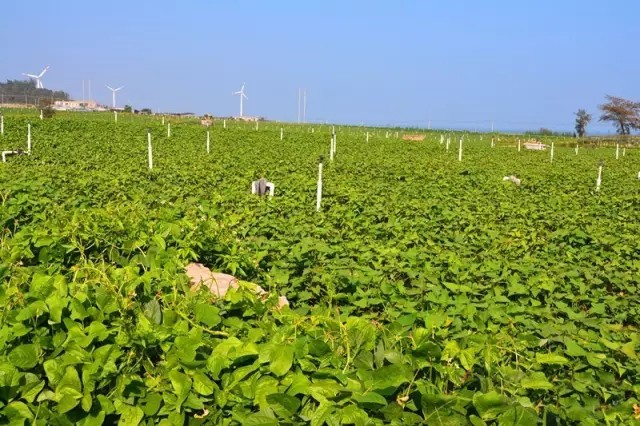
x: 25, y: 91
x: 48, y: 112
x: 426, y: 291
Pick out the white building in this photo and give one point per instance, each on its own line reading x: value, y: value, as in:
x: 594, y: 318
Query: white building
x: 73, y: 105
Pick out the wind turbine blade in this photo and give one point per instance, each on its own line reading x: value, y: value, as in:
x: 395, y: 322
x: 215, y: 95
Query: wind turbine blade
x: 44, y: 71
x: 119, y: 88
x: 30, y: 75
x: 109, y: 87
x: 245, y: 96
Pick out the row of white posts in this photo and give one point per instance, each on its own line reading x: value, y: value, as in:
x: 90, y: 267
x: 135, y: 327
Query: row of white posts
x: 332, y: 147
x: 624, y: 149
x: 332, y: 151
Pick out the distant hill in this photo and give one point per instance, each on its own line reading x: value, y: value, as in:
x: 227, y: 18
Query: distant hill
x: 25, y: 92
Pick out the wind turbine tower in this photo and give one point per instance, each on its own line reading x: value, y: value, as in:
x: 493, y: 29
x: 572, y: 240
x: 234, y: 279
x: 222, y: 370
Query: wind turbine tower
x: 242, y: 96
x: 113, y: 94
x: 38, y: 78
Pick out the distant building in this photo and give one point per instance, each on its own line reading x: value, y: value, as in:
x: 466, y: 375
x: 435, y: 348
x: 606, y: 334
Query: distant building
x: 247, y: 118
x: 177, y: 114
x: 73, y: 105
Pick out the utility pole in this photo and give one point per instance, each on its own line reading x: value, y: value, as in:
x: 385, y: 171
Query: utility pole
x: 304, y: 106
x: 298, y: 105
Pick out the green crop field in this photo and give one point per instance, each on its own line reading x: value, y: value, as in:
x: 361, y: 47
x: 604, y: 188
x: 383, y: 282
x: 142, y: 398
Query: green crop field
x: 426, y: 290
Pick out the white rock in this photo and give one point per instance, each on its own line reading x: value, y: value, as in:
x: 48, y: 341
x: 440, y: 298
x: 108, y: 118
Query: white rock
x: 513, y: 179
x: 219, y: 283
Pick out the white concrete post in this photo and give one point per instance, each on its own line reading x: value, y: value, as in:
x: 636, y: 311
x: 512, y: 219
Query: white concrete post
x: 319, y: 192
x: 207, y: 141
x: 29, y: 138
x: 150, y: 149
x: 599, y: 180
x: 331, y: 150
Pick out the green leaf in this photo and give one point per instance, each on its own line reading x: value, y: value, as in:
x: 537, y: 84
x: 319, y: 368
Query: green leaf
x: 573, y: 349
x: 371, y: 400
x: 281, y: 360
x: 629, y: 349
x: 93, y: 419
x: 490, y: 405
x: 202, y: 384
x: 53, y: 371
x: 67, y: 402
x: 69, y: 390
x: 427, y: 350
x: 70, y: 381
x: 159, y: 241
x: 153, y: 311
x: 152, y: 403
x: 318, y: 348
x: 322, y: 413
x: 352, y: 415
x: 17, y: 412
x: 391, y: 376
x: 259, y: 419
x: 31, y: 390
x: 24, y: 357
x: 283, y: 404
x: 536, y: 380
x: 181, y: 385
x: 451, y: 350
x: 518, y: 416
x: 551, y: 359
x: 477, y: 421
x: 129, y: 415
x: 207, y: 314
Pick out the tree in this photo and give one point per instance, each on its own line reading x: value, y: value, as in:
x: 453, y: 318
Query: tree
x: 582, y: 120
x: 127, y: 108
x: 26, y: 92
x: 624, y: 114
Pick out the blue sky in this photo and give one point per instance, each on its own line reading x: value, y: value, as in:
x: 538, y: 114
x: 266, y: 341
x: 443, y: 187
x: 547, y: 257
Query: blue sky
x: 522, y: 64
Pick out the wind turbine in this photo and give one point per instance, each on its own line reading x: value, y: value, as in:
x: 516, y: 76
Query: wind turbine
x: 242, y: 95
x: 38, y: 78
x: 113, y: 93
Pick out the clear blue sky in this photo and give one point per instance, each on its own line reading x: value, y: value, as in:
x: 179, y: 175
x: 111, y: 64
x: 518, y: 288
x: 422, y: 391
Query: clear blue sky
x: 458, y: 63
